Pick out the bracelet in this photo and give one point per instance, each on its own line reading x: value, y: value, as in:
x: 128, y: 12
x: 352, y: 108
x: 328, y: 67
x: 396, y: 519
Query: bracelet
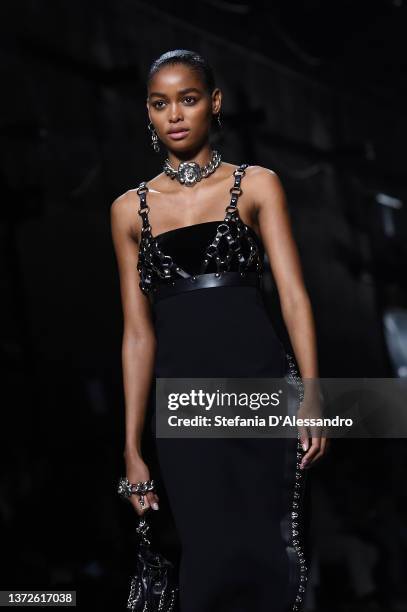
x: 125, y: 489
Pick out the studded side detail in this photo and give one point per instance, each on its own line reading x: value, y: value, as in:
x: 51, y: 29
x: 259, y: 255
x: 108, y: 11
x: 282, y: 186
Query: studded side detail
x: 232, y: 235
x: 296, y: 536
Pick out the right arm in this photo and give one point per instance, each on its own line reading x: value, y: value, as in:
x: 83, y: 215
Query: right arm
x: 139, y: 342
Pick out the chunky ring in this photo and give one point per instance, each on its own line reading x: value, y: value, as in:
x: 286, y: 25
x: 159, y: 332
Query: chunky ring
x: 125, y: 489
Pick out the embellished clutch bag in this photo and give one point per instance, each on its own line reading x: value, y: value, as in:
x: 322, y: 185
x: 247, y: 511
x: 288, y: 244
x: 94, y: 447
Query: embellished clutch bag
x: 153, y: 587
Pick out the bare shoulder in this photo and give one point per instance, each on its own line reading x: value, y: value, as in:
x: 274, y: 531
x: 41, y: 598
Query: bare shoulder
x: 261, y: 176
x: 264, y: 184
x: 123, y: 212
x: 124, y: 202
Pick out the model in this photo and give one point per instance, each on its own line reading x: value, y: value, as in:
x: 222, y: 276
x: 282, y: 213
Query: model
x: 189, y: 245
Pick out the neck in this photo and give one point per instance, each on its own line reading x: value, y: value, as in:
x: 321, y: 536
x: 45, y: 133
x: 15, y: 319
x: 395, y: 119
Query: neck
x: 201, y: 156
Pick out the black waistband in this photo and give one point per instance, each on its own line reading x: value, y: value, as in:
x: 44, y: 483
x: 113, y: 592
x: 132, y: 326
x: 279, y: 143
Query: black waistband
x: 206, y: 281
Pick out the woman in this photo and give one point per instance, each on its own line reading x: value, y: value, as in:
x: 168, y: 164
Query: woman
x: 195, y: 310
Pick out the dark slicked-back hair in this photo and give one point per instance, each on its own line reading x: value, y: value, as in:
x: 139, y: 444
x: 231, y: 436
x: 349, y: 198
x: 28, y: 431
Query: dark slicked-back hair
x: 193, y: 60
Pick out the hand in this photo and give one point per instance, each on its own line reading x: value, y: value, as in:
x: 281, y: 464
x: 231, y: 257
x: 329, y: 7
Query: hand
x: 318, y: 448
x: 136, y: 471
x: 311, y: 408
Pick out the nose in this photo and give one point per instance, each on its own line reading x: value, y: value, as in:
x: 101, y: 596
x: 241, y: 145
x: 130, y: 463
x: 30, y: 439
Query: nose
x: 175, y: 112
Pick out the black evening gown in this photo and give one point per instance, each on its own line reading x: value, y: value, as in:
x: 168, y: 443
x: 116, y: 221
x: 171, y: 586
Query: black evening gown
x: 241, y: 551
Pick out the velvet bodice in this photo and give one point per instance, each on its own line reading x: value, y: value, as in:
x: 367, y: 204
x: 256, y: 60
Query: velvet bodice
x: 187, y: 245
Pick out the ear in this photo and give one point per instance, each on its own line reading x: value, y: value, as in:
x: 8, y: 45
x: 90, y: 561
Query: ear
x: 216, y: 100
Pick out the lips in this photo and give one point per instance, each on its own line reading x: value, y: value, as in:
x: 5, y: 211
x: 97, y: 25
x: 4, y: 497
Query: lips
x: 178, y: 129
x: 179, y: 134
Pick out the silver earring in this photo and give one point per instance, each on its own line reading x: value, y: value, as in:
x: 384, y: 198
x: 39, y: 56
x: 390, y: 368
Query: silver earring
x: 154, y: 137
x: 218, y: 118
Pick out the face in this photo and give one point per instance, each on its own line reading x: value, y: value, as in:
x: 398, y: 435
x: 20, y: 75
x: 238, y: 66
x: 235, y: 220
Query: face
x: 180, y: 107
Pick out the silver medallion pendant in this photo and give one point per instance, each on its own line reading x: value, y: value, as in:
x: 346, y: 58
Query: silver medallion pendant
x: 189, y: 173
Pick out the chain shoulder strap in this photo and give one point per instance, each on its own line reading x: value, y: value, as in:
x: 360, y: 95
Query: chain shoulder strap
x: 236, y: 191
x: 233, y: 243
x: 150, y: 253
x: 144, y: 209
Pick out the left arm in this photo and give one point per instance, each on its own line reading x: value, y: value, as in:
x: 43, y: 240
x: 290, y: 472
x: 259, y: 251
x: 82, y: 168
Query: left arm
x: 277, y: 236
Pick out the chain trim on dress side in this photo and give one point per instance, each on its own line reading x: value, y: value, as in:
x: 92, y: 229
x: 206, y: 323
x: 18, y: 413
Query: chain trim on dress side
x: 296, y: 518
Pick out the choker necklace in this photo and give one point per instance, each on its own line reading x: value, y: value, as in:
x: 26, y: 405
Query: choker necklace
x: 189, y: 173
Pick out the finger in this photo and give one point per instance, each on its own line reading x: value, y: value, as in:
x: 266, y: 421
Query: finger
x: 306, y: 440
x: 153, y: 500
x: 324, y: 447
x: 136, y: 506
x: 320, y: 448
x: 309, y: 455
x: 143, y: 501
x: 319, y: 453
x: 140, y: 503
x: 152, y: 496
x: 315, y: 459
x: 303, y: 433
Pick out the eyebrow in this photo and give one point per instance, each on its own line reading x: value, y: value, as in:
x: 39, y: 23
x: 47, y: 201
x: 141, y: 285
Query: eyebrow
x: 181, y: 91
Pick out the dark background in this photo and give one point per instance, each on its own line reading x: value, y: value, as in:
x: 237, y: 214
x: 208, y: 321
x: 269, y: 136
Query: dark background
x: 315, y: 91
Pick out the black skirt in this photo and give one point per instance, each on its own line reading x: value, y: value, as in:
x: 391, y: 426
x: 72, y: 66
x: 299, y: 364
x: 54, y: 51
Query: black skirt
x: 240, y: 551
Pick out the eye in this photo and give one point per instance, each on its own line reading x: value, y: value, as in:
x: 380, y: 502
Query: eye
x: 159, y: 104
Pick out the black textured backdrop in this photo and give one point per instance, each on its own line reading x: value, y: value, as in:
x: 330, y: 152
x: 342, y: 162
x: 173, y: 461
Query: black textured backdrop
x: 315, y: 92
